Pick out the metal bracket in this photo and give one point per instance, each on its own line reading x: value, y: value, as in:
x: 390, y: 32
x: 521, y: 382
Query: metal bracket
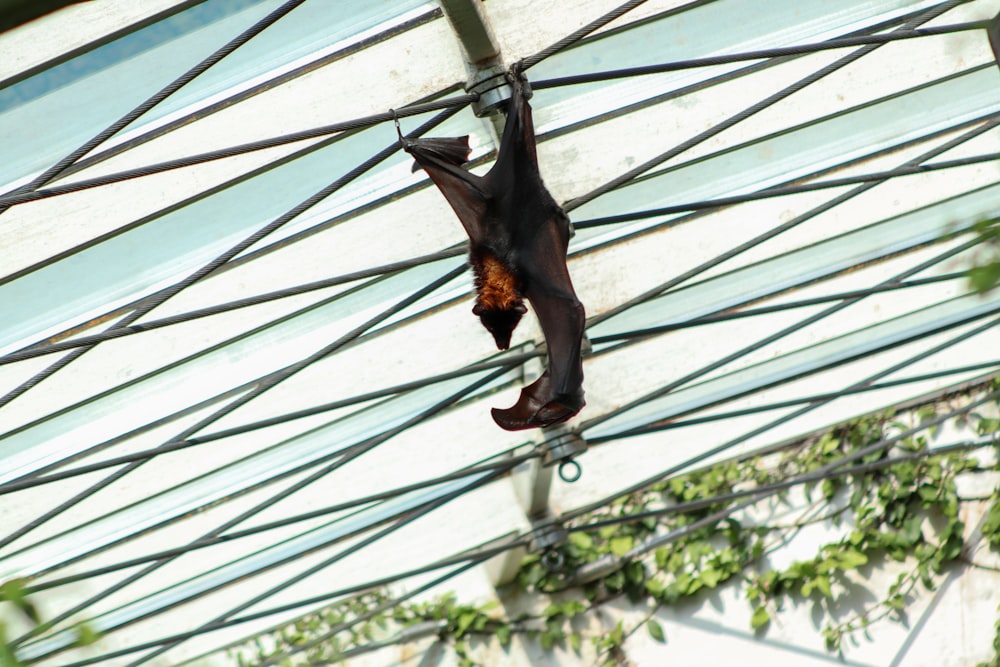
x: 547, y: 537
x: 562, y: 449
x: 487, y: 74
x: 490, y: 83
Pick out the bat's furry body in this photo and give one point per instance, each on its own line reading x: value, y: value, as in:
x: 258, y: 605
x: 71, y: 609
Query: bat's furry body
x: 518, y: 238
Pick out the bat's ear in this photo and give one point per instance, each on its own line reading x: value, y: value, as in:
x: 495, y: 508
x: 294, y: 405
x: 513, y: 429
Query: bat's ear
x: 519, y: 307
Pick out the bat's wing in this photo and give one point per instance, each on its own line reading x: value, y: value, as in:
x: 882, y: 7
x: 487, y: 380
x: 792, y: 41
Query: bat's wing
x: 558, y: 394
x: 442, y: 159
x: 450, y: 150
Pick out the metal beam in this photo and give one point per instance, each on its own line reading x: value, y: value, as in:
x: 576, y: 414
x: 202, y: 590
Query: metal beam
x: 482, y: 54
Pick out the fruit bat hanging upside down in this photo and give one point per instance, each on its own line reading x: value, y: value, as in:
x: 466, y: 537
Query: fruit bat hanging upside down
x: 518, y: 237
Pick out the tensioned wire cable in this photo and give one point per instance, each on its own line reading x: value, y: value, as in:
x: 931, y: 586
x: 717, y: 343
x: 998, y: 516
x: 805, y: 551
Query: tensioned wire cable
x: 786, y: 190
x: 771, y: 338
x: 261, y: 386
x: 776, y: 52
x: 764, y: 428
x: 773, y: 232
x: 753, y: 109
x: 246, y: 93
x: 396, y: 523
x: 241, y: 149
x: 505, y: 465
x: 44, y: 476
x: 756, y: 495
x: 542, y: 84
x: 208, y: 269
x: 732, y: 314
x: 986, y: 369
x: 118, y: 332
x: 476, y: 556
x: 165, y: 92
x: 339, y: 458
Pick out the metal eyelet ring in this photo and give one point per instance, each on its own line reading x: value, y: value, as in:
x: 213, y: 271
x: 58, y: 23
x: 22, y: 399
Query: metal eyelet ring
x: 570, y: 471
x: 553, y: 560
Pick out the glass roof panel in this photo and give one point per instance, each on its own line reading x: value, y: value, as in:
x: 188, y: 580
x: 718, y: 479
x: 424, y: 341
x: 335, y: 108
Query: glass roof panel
x: 287, y: 397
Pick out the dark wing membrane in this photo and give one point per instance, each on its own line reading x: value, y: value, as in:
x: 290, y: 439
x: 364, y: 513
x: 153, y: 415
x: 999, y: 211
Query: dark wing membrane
x: 442, y: 160
x: 450, y: 150
x: 558, y: 394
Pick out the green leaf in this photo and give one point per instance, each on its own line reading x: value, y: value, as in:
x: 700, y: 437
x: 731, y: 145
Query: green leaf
x: 581, y: 540
x: 710, y: 577
x: 616, y: 636
x: 615, y: 580
x: 823, y: 584
x: 656, y: 631
x: 991, y: 525
x: 86, y: 635
x: 621, y: 544
x: 760, y: 618
x: 503, y: 635
x: 635, y: 573
x: 465, y: 620
x: 850, y: 559
x: 13, y: 592
x: 984, y: 278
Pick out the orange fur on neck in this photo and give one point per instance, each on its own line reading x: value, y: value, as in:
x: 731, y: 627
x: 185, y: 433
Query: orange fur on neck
x: 495, y: 284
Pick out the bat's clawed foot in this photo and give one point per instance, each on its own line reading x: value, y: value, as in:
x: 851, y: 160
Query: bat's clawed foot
x: 538, y: 407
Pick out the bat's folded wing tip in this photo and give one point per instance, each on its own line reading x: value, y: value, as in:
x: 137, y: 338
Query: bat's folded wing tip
x: 530, y: 412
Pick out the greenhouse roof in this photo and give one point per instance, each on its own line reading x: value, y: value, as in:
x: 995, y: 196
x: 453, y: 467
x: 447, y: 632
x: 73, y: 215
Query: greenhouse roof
x: 239, y: 377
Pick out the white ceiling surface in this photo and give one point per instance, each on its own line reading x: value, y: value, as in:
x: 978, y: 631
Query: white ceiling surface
x: 70, y: 262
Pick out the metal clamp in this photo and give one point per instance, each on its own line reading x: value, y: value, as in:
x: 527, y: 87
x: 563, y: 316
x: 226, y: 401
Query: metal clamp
x: 490, y: 84
x: 547, y: 537
x: 561, y: 450
x: 548, y: 533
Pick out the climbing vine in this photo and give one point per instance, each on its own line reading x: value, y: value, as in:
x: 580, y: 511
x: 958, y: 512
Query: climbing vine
x: 876, y: 484
x: 13, y: 596
x: 984, y: 275
x: 894, y: 503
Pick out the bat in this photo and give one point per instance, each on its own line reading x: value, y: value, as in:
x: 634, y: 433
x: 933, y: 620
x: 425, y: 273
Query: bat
x: 518, y: 236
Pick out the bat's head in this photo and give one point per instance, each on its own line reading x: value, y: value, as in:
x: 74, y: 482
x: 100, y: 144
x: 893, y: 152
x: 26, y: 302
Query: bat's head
x: 500, y: 323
